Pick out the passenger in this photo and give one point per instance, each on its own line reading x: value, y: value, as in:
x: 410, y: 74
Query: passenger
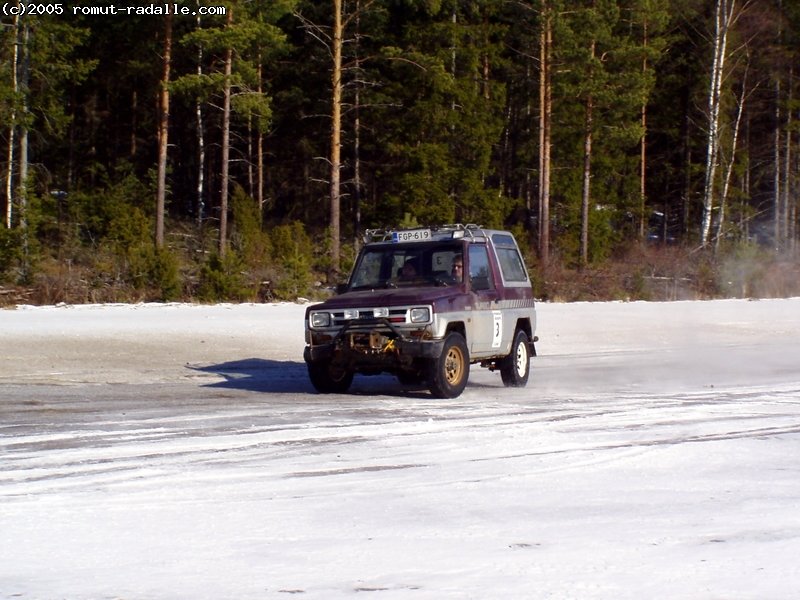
x: 408, y: 270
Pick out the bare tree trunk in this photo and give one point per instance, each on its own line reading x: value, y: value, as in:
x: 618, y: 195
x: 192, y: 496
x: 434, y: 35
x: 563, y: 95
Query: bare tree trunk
x: 776, y: 151
x: 251, y: 178
x: 163, y: 133
x: 729, y: 167
x: 226, y: 147
x: 12, y: 127
x: 787, y: 163
x: 134, y: 121
x: 587, y: 179
x: 336, y: 135
x: 260, y: 151
x: 201, y: 164
x: 723, y: 19
x: 793, y: 173
x: 201, y: 144
x: 357, y: 135
x: 22, y: 193
x: 643, y: 152
x: 545, y: 119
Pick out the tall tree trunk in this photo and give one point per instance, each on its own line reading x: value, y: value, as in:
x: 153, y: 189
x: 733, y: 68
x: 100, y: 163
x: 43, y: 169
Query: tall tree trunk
x: 723, y: 19
x: 726, y: 180
x: 251, y: 177
x: 260, y: 151
x: 686, y: 192
x: 776, y: 151
x: 787, y: 162
x: 12, y: 127
x: 22, y: 193
x: 790, y: 182
x: 587, y: 179
x: 134, y: 122
x: 226, y: 146
x: 336, y: 136
x: 643, y: 151
x: 163, y: 133
x: 545, y: 120
x: 201, y: 144
x: 357, y: 171
x: 357, y: 135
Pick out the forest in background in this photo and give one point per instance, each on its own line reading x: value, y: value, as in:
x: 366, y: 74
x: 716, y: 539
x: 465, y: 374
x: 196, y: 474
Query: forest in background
x: 641, y: 149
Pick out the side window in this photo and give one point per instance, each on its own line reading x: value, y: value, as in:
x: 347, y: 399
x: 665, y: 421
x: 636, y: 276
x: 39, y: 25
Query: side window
x: 511, y: 264
x: 480, y: 275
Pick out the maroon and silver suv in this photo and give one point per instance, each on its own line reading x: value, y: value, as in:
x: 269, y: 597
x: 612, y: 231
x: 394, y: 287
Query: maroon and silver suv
x: 424, y: 304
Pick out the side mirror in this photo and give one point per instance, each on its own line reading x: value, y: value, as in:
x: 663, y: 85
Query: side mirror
x: 341, y: 288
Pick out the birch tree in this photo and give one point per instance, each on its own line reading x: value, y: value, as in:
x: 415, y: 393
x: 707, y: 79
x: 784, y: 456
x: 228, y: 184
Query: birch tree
x: 724, y: 18
x: 728, y: 168
x: 12, y: 120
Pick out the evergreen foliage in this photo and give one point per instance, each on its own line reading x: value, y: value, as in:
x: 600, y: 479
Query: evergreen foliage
x: 440, y: 124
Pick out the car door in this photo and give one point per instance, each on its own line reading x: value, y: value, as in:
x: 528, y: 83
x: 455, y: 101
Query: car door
x: 487, y: 318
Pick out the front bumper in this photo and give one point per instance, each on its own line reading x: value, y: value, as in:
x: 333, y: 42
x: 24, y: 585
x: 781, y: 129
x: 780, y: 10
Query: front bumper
x: 381, y: 347
x: 402, y: 348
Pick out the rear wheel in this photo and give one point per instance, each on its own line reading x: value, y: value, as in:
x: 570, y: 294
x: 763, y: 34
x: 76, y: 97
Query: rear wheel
x: 449, y: 373
x: 328, y: 379
x: 516, y: 367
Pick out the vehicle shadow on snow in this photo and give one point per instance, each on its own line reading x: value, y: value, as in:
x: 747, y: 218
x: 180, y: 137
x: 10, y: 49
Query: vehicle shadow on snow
x: 260, y: 375
x: 291, y: 377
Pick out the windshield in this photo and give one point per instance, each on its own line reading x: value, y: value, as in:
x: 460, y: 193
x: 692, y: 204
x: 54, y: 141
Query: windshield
x: 408, y: 265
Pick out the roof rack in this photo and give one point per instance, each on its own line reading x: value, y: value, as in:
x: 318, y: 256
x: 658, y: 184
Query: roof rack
x: 470, y: 230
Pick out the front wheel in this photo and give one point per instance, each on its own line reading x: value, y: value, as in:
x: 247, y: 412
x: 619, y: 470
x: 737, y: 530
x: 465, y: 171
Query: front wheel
x: 516, y: 367
x: 328, y: 379
x: 448, y: 374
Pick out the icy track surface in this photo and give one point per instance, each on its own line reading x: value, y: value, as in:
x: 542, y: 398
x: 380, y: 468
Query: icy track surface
x: 161, y: 452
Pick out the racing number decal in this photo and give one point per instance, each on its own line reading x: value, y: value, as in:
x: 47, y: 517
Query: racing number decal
x: 497, y: 333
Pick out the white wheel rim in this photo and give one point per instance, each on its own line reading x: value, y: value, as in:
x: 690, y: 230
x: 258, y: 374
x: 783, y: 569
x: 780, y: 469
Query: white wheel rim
x: 522, y: 359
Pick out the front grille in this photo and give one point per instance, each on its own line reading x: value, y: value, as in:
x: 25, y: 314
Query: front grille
x: 366, y: 316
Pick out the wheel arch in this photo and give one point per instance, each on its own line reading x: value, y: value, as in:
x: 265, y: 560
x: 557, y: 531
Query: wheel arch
x: 456, y: 327
x: 524, y: 324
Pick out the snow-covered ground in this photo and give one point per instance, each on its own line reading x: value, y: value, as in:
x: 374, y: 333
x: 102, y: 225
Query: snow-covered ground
x: 179, y: 452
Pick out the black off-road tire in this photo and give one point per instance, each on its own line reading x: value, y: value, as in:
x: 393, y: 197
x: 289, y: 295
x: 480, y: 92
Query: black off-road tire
x: 327, y: 379
x: 516, y: 367
x: 449, y: 373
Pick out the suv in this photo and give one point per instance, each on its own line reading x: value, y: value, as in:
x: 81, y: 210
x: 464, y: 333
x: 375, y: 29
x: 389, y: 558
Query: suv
x: 423, y: 304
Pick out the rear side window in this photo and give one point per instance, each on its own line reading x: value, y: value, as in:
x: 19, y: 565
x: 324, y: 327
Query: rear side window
x: 511, y: 264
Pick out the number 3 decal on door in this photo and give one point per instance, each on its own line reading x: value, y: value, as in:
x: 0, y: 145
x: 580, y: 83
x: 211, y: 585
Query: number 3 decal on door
x: 497, y: 334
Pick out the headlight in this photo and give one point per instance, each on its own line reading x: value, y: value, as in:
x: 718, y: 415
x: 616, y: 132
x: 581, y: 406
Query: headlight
x: 420, y: 315
x: 320, y: 319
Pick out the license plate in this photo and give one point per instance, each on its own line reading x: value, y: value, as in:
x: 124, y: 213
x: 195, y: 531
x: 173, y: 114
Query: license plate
x: 412, y: 235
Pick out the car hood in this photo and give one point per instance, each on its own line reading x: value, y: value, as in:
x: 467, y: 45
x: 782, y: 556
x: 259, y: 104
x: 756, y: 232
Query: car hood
x: 390, y: 297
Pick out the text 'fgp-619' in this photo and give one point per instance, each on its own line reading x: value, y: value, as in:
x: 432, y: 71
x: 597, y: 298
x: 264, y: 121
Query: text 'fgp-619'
x: 425, y: 304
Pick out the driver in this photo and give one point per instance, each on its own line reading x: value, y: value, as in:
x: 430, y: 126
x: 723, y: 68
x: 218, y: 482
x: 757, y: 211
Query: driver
x: 457, y: 269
